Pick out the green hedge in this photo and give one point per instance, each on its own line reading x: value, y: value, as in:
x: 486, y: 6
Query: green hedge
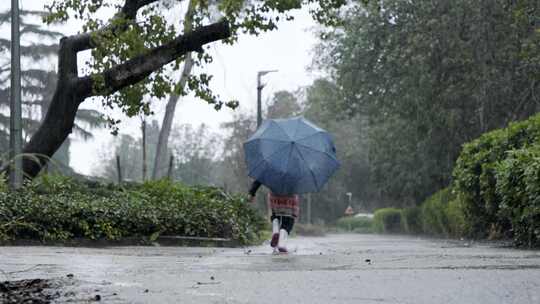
x: 412, y: 220
x: 439, y: 215
x: 518, y: 187
x: 442, y: 214
x: 475, y: 175
x: 59, y: 209
x: 434, y: 213
x: 387, y: 220
x: 494, y: 179
x: 456, y: 218
x: 355, y: 224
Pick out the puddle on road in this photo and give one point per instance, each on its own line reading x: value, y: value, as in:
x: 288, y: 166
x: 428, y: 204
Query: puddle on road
x: 126, y: 284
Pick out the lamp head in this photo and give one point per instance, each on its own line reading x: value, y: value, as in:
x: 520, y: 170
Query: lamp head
x: 262, y: 73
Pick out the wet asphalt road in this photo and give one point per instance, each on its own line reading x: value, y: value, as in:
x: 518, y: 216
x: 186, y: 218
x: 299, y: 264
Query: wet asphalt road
x: 349, y: 268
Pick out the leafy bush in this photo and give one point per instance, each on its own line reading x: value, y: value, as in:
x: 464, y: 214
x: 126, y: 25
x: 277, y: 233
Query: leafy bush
x: 412, y: 220
x: 518, y: 186
x: 474, y: 174
x: 387, y: 220
x: 3, y: 183
x: 355, y: 224
x: 58, y: 209
x: 456, y: 218
x: 434, y: 217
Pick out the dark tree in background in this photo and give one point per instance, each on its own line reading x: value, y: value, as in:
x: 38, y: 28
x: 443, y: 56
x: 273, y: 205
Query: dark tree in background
x: 38, y: 83
x: 428, y: 76
x: 35, y: 78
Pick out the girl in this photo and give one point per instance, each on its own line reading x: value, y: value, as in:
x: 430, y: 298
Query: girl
x: 285, y: 209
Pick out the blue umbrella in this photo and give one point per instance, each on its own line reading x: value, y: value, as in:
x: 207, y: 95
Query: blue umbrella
x: 291, y: 156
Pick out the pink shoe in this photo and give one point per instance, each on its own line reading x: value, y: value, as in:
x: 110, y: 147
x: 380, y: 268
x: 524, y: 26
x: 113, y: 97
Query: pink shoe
x: 275, y: 240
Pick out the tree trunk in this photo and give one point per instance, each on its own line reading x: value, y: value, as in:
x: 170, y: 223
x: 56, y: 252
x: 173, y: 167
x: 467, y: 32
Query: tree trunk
x: 168, y: 118
x: 54, y: 130
x: 163, y: 140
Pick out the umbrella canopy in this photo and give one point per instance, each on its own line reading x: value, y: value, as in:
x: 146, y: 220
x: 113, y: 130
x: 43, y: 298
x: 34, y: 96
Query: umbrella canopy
x: 291, y: 156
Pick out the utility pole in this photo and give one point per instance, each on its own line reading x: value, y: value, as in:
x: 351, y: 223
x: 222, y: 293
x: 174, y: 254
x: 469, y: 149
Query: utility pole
x: 144, y: 168
x: 169, y: 170
x: 119, y: 169
x: 15, y: 138
x: 309, y: 208
x: 260, y: 86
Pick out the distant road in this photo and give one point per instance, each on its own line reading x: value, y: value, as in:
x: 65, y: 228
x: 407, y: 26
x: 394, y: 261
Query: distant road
x: 350, y: 268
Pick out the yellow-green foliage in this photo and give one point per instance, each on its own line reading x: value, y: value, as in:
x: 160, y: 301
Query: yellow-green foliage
x: 387, y: 220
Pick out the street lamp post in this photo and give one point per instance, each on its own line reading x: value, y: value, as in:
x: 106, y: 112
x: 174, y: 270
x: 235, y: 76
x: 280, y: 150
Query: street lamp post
x: 15, y: 138
x: 260, y: 86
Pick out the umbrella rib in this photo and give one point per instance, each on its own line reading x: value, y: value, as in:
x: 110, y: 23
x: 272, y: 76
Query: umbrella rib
x: 269, y: 139
x: 283, y: 130
x: 256, y: 167
x: 296, y: 130
x: 286, y: 167
x: 311, y: 171
x: 310, y: 135
x: 260, y: 136
x: 263, y: 160
x: 323, y: 152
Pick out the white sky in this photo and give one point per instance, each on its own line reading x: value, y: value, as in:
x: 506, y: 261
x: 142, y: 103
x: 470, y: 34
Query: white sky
x: 288, y: 49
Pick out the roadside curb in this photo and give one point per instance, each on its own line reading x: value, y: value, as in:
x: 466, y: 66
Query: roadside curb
x: 169, y: 240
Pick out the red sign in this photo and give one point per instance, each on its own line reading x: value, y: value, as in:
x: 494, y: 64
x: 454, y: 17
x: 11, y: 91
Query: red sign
x: 349, y: 211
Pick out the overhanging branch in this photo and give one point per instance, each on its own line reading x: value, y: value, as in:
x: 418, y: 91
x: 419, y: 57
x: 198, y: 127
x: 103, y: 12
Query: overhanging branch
x: 128, y: 12
x: 138, y: 68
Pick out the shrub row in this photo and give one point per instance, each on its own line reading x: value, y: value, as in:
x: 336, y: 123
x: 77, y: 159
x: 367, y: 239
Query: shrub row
x: 355, y: 224
x: 387, y: 220
x: 495, y: 192
x: 496, y: 178
x: 440, y: 215
x: 518, y: 188
x: 54, y: 208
